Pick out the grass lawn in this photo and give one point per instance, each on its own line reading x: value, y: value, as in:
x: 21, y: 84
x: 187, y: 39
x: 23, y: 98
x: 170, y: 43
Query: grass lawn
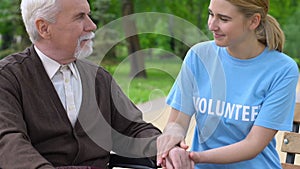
x: 161, y: 74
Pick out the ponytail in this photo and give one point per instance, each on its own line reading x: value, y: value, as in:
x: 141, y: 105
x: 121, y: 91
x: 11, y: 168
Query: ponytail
x: 270, y: 34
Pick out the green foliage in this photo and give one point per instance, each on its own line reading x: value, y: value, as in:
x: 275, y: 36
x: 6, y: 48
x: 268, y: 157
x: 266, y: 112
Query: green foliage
x: 100, y: 11
x: 10, y: 18
x: 193, y: 11
x: 291, y: 29
x: 7, y: 16
x: 283, y: 9
x: 11, y: 26
x: 287, y: 12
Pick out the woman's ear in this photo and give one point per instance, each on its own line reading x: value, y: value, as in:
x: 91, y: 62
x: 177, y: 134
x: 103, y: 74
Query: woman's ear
x: 255, y: 21
x: 42, y: 27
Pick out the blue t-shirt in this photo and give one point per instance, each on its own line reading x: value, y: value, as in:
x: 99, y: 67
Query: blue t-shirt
x: 229, y: 95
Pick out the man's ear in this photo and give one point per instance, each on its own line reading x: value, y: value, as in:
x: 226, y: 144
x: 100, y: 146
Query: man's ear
x: 43, y: 28
x: 255, y: 21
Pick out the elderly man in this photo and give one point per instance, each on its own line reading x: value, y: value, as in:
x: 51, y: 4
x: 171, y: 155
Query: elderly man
x: 59, y: 110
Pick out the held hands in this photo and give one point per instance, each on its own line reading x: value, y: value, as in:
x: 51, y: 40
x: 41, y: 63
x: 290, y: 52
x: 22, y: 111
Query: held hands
x: 174, y: 155
x: 178, y: 158
x: 172, y: 135
x: 169, y: 155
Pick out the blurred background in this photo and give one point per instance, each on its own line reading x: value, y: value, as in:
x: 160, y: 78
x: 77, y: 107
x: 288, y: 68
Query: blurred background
x: 145, y: 64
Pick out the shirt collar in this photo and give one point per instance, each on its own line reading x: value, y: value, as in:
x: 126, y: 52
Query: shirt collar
x: 73, y: 69
x: 51, y: 66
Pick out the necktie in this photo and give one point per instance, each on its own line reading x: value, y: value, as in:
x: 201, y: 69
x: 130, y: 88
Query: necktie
x: 70, y: 102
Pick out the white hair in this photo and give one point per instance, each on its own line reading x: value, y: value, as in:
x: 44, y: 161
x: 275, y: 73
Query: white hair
x: 32, y: 10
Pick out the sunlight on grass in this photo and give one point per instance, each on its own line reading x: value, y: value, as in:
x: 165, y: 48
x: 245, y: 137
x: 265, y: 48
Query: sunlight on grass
x: 161, y: 74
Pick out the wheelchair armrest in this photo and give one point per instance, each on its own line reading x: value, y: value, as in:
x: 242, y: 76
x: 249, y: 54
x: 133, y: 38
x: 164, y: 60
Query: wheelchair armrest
x: 127, y: 162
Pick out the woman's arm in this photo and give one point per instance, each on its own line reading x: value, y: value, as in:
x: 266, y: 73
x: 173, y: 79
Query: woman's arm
x: 250, y: 147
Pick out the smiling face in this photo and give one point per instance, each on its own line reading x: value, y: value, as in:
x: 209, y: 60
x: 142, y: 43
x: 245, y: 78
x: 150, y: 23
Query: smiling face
x: 228, y: 25
x: 71, y: 34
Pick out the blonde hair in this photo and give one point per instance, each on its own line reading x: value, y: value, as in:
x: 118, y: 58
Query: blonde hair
x: 269, y: 31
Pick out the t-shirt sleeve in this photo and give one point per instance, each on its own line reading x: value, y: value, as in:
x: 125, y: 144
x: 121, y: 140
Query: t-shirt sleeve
x: 277, y: 110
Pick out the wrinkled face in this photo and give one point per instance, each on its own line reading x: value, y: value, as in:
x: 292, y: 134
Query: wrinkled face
x: 71, y: 34
x: 227, y: 24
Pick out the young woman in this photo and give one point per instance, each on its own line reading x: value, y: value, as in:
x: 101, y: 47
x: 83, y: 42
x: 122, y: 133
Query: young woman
x: 241, y: 89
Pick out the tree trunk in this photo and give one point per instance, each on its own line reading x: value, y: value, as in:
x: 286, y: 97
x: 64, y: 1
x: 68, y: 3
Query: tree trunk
x: 137, y: 63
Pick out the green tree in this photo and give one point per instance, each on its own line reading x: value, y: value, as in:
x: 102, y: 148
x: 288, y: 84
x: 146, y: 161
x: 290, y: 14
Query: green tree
x: 287, y: 13
x: 194, y: 11
x: 137, y: 63
x: 283, y: 9
x: 101, y: 13
x: 11, y: 24
x: 291, y: 29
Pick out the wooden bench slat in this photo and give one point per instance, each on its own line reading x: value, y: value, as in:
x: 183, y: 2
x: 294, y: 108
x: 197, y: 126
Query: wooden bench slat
x: 289, y: 166
x: 291, y: 142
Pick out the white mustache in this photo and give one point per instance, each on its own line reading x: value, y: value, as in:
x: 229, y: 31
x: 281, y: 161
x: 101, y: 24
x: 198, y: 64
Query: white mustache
x: 89, y: 36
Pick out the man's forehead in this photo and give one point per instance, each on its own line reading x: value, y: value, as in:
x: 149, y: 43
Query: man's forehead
x: 74, y: 7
